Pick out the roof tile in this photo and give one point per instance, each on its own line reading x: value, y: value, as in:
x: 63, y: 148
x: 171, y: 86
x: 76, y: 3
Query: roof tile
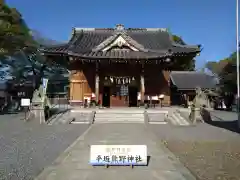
x: 155, y: 40
x: 192, y: 79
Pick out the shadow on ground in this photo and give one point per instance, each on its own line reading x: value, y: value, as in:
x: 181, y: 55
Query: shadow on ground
x: 221, y: 123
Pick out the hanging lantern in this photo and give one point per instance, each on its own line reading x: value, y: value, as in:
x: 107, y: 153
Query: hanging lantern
x: 168, y: 60
x: 111, y: 79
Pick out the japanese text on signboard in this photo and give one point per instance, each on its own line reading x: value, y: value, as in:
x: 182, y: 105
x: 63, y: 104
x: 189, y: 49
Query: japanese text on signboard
x: 119, y: 155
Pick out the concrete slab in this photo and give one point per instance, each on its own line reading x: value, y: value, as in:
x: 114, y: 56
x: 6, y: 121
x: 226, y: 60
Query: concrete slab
x: 73, y: 163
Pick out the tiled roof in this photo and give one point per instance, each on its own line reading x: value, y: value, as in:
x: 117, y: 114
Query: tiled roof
x: 190, y: 80
x: 90, y: 42
x: 120, y: 54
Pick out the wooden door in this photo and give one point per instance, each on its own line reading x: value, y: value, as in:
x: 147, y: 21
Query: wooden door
x: 79, y: 87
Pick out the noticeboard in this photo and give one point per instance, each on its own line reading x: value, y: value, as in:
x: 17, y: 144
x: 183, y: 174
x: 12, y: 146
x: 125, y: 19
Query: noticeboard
x: 118, y: 155
x: 25, y: 102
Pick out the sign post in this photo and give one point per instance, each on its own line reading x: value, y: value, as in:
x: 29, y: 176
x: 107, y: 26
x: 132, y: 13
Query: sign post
x: 238, y: 75
x: 25, y: 103
x: 118, y: 155
x: 45, y: 83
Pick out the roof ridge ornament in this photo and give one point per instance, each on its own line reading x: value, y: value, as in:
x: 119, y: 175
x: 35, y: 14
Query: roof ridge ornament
x: 119, y: 27
x: 84, y: 29
x: 157, y: 29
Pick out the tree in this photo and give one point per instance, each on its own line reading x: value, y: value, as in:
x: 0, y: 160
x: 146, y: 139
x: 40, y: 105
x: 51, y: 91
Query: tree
x: 18, y: 49
x: 14, y: 37
x: 228, y: 74
x: 14, y: 33
x: 178, y: 40
x: 217, y: 67
x: 183, y: 63
x: 225, y: 70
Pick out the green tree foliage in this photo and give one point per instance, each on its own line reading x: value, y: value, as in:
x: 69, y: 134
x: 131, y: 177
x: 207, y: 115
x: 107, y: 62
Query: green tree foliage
x: 14, y: 33
x: 228, y: 74
x: 183, y: 63
x: 178, y: 40
x: 217, y: 67
x: 17, y: 46
x: 226, y: 71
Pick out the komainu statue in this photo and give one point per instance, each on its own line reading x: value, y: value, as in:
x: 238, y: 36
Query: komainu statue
x: 200, y: 101
x: 40, y: 104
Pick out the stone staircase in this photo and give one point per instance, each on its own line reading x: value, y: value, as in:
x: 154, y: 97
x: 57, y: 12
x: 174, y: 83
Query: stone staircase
x: 72, y: 117
x: 176, y: 119
x: 157, y: 118
x: 82, y: 118
x: 61, y: 118
x: 119, y: 116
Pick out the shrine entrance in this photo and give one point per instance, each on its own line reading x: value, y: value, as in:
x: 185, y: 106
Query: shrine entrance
x: 133, y: 96
x: 133, y: 93
x: 106, y: 96
x: 106, y: 93
x: 120, y: 91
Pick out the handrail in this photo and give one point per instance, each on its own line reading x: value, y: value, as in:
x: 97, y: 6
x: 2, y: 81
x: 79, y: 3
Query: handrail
x: 146, y: 117
x: 92, y: 117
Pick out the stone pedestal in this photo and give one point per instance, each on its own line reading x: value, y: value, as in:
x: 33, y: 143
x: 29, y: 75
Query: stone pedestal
x: 142, y: 85
x: 97, y: 88
x: 97, y: 79
x: 195, y: 115
x: 39, y: 113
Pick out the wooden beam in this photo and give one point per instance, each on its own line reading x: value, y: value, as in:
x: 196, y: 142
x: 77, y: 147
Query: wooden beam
x: 142, y: 82
x: 77, y: 81
x: 97, y: 82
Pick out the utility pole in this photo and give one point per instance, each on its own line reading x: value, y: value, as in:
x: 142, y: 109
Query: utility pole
x: 238, y: 83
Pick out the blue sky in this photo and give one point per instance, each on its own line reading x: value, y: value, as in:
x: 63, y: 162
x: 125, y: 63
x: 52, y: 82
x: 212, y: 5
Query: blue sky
x: 211, y: 23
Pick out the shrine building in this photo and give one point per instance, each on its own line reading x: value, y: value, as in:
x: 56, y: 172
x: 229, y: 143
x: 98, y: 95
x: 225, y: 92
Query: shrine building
x: 120, y: 66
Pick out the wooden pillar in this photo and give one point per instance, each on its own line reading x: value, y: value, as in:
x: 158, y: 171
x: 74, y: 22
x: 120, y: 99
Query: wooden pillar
x: 142, y: 82
x: 97, y: 83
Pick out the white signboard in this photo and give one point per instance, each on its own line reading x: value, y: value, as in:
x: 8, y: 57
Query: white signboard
x: 118, y: 155
x: 45, y: 82
x: 25, y: 102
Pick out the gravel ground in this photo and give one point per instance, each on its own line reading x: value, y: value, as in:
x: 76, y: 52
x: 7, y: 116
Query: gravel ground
x: 207, y: 151
x: 26, y: 148
x: 209, y: 160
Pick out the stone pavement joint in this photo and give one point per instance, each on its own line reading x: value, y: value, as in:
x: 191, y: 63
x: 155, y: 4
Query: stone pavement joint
x: 73, y: 163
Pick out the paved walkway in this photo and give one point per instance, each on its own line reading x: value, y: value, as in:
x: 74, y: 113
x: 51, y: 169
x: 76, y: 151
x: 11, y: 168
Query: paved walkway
x: 73, y: 163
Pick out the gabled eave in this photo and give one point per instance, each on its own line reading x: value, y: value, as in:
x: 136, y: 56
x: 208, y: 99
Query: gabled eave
x: 120, y: 37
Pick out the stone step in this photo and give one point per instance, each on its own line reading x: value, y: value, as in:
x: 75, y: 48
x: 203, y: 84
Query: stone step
x: 156, y: 116
x: 80, y: 122
x: 151, y: 111
x: 158, y: 122
x: 176, y: 119
x: 63, y: 118
x: 119, y: 121
x: 120, y: 112
x: 83, y: 117
x: 119, y: 115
